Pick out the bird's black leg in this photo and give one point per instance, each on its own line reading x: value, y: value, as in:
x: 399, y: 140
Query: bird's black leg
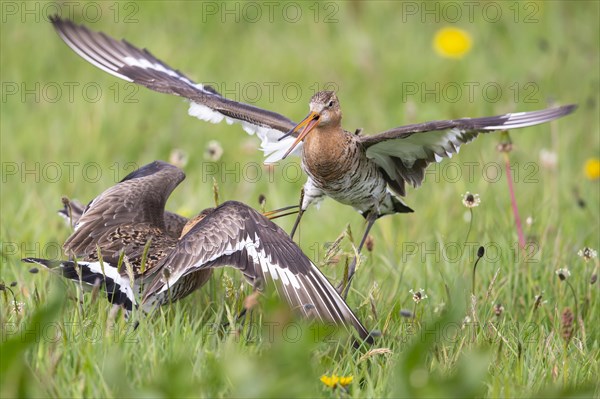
x: 371, y: 218
x: 300, y: 213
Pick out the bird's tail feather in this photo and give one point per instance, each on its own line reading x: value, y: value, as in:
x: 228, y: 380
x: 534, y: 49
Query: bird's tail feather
x: 117, y: 287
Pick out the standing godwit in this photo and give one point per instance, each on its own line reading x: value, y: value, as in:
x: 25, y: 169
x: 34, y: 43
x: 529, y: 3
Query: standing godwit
x: 121, y: 240
x: 366, y: 172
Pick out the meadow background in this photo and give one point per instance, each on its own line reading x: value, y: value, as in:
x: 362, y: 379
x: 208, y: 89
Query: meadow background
x: 69, y: 129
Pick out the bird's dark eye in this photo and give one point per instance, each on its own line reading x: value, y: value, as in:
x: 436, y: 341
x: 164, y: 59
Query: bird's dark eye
x: 330, y: 103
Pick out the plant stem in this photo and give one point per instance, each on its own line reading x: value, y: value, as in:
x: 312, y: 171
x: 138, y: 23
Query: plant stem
x: 473, y: 278
x: 513, y: 202
x: 470, y: 225
x: 576, y: 310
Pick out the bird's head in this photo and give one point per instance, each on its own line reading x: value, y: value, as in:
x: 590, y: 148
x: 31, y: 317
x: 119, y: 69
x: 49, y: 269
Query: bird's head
x: 325, y: 107
x: 324, y: 111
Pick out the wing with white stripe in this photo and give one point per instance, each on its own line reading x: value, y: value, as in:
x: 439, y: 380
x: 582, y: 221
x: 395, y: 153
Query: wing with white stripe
x: 125, y: 61
x: 404, y: 152
x: 117, y: 286
x: 236, y: 235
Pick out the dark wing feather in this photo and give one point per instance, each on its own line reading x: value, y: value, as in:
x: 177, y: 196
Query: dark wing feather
x: 138, y: 200
x: 125, y: 61
x: 72, y: 212
x: 403, y: 153
x: 236, y: 235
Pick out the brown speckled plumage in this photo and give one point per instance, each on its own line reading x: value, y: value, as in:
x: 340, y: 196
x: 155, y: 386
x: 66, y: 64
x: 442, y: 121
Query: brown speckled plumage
x: 129, y: 219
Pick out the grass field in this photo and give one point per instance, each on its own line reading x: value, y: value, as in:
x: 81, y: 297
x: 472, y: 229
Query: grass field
x: 69, y: 129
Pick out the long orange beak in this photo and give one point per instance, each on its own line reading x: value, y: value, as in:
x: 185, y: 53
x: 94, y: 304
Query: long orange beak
x: 309, y: 124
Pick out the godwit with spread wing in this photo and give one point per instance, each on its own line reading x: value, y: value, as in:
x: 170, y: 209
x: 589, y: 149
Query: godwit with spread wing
x: 121, y: 241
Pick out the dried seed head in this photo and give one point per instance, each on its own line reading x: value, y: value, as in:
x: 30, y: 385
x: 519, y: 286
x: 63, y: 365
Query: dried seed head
x: 471, y: 200
x: 563, y: 274
x: 228, y: 285
x: 498, y: 309
x: 480, y: 252
x: 213, y: 151
x: 566, y: 324
x: 262, y: 200
x: 370, y: 243
x: 538, y: 301
x: 418, y: 295
x: 407, y: 313
x: 467, y: 320
x: 178, y: 157
x: 18, y: 307
x: 587, y: 253
x: 504, y: 147
x: 34, y: 270
x: 593, y: 279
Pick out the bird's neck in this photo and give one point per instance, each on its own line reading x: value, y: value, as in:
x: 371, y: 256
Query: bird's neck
x: 325, y: 147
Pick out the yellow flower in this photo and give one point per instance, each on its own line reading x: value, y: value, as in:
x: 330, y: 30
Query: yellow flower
x: 452, y: 42
x: 592, y: 168
x: 334, y: 381
x: 331, y: 382
x: 345, y: 381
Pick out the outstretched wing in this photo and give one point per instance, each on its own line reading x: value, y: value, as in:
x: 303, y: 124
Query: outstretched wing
x: 404, y: 152
x: 125, y: 61
x: 139, y: 199
x: 236, y: 235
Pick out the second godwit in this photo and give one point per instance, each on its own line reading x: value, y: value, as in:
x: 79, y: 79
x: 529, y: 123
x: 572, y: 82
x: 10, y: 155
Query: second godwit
x: 121, y: 241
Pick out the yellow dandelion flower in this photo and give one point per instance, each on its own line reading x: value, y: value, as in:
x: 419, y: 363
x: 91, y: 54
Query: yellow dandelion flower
x: 334, y: 381
x: 331, y: 382
x: 452, y: 42
x: 345, y: 381
x: 592, y: 168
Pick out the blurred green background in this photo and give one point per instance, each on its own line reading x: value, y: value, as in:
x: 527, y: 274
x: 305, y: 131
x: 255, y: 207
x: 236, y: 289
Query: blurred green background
x: 69, y: 129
